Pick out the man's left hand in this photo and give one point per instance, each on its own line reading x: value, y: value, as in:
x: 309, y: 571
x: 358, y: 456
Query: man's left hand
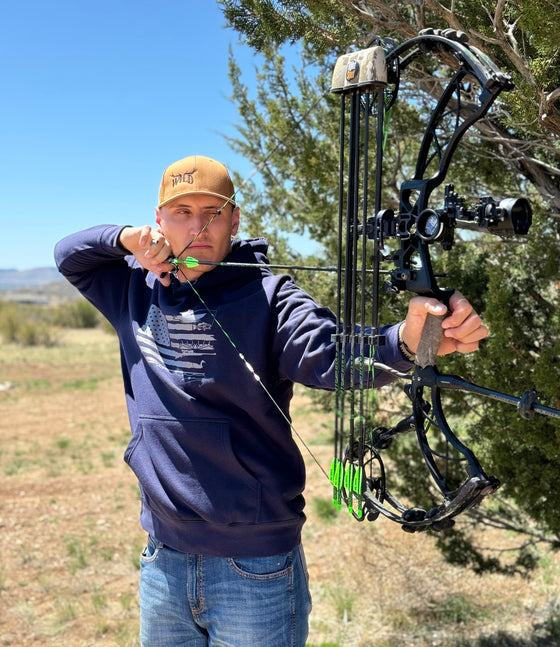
x: 463, y: 328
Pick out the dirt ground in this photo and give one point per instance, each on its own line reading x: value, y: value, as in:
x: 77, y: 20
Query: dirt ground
x: 71, y: 538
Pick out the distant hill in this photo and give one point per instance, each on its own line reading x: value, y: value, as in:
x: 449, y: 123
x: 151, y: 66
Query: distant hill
x: 13, y: 279
x: 43, y: 285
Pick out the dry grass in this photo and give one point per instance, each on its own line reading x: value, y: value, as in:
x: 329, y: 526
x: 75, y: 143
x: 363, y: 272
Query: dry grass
x: 71, y: 538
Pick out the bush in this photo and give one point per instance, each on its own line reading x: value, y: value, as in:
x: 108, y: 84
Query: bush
x: 9, y: 321
x: 26, y: 325
x: 77, y: 314
x: 36, y: 333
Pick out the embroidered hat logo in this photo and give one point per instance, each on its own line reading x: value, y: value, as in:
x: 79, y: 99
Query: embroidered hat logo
x: 182, y: 177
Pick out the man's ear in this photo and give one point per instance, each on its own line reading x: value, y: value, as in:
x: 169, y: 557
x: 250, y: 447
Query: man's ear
x: 158, y: 219
x: 235, y: 221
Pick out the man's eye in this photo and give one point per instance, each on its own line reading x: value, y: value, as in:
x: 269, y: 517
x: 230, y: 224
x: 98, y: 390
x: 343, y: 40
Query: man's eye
x: 208, y: 215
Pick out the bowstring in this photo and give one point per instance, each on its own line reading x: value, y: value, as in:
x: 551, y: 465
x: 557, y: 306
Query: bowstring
x: 358, y: 411
x: 176, y: 262
x: 253, y: 372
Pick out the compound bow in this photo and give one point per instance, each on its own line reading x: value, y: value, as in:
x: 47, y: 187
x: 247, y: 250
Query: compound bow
x: 368, y: 82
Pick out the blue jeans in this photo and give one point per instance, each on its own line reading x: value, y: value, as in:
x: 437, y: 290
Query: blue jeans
x: 200, y: 601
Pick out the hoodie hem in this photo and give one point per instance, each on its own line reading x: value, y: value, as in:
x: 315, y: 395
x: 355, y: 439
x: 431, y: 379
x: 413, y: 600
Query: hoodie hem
x: 226, y: 540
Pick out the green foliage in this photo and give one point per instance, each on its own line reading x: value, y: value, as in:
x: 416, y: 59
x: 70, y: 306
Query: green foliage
x: 26, y: 324
x: 325, y: 509
x: 520, y: 37
x: 289, y: 130
x: 77, y: 553
x: 76, y: 314
x: 266, y: 23
x: 521, y: 308
x: 343, y: 601
x: 37, y: 325
x: 458, y: 548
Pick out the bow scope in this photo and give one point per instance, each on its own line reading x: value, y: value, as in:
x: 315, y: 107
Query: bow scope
x: 509, y: 217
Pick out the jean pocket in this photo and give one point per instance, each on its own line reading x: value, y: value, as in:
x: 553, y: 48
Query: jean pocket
x: 150, y: 552
x: 263, y: 568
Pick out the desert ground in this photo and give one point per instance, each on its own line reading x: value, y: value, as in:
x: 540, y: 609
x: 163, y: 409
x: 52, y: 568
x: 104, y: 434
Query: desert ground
x: 71, y: 538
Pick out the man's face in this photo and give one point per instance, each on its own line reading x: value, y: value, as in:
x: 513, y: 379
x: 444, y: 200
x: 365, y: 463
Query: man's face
x: 193, y: 227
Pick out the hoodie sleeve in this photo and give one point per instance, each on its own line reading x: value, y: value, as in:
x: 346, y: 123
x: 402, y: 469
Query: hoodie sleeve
x: 306, y: 349
x: 91, y: 260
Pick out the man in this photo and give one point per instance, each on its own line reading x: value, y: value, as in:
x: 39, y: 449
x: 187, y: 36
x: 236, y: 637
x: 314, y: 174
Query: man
x: 209, y: 356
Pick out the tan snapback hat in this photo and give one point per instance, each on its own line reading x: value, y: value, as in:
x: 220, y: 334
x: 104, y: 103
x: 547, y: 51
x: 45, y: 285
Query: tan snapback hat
x: 196, y: 174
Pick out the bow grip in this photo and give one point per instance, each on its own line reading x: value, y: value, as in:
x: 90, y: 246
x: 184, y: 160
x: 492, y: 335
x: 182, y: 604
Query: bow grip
x: 430, y: 341
x: 432, y: 335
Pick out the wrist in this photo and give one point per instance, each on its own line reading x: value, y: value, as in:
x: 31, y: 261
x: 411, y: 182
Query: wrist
x: 122, y: 239
x: 405, y: 350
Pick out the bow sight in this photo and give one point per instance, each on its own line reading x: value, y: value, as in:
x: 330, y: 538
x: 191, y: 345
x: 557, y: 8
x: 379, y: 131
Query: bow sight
x: 413, y: 268
x: 508, y: 217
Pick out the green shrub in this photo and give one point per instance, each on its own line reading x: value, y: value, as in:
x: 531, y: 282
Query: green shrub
x: 9, y: 321
x: 26, y: 324
x: 77, y: 314
x: 36, y: 333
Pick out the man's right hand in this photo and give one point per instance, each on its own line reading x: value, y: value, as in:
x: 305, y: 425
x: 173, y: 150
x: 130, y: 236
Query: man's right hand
x: 150, y: 248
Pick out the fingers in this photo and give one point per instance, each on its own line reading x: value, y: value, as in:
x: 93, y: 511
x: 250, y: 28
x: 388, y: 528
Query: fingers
x: 157, y: 247
x: 463, y: 328
x: 422, y: 306
x: 459, y: 310
x: 463, y: 324
x: 145, y: 236
x: 153, y: 252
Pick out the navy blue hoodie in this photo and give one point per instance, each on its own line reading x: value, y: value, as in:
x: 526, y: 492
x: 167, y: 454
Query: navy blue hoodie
x: 218, y: 469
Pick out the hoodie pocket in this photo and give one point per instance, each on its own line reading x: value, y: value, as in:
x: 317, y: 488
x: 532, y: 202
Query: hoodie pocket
x: 188, y: 471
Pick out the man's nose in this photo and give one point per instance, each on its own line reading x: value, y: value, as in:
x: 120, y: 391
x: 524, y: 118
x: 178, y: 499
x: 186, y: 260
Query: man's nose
x: 197, y: 223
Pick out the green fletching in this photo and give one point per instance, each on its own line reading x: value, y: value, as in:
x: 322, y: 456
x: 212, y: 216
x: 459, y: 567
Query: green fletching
x: 335, y: 478
x: 335, y: 472
x: 349, y: 477
x: 348, y: 484
x: 357, y: 489
x: 358, y: 480
x: 353, y: 483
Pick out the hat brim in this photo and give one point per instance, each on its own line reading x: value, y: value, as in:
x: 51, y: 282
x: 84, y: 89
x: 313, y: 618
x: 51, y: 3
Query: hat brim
x: 217, y: 195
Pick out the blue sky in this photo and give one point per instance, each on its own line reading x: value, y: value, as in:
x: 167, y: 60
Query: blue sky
x: 98, y: 97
